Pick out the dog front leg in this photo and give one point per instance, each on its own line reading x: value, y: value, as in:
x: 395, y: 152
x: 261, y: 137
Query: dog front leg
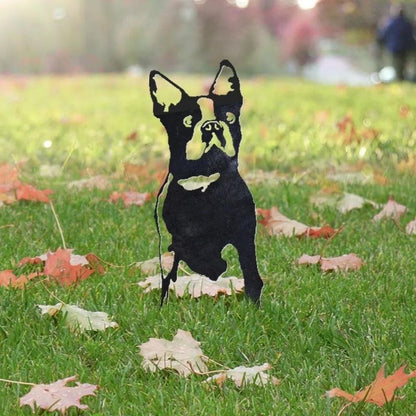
x: 252, y: 280
x: 172, y: 275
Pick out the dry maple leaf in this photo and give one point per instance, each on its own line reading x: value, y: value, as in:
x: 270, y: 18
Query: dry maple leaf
x: 64, y: 266
x: 344, y: 201
x: 242, y: 376
x: 380, y: 391
x: 29, y: 193
x: 392, y: 209
x: 98, y: 182
x: 152, y: 265
x: 58, y: 266
x: 277, y: 224
x: 183, y: 354
x: 8, y: 278
x: 58, y: 396
x: 197, y: 285
x: 78, y: 319
x: 130, y: 197
x: 411, y: 227
x: 341, y: 263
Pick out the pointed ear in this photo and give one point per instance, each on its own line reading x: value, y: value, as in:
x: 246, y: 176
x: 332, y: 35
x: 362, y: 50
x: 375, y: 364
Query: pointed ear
x: 226, y: 83
x: 164, y: 93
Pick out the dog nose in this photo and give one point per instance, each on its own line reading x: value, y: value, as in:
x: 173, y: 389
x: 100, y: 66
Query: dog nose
x: 212, y: 126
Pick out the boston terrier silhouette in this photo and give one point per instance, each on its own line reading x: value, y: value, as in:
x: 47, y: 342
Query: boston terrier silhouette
x: 207, y: 204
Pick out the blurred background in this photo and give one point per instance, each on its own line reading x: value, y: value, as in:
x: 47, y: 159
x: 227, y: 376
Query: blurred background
x: 300, y: 37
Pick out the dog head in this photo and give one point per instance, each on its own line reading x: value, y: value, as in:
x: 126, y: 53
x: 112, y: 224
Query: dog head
x: 198, y: 126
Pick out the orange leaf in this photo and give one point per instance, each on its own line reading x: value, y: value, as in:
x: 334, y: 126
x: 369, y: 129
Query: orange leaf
x: 323, y: 232
x: 7, y: 277
x: 380, y: 391
x: 29, y: 193
x: 59, y: 267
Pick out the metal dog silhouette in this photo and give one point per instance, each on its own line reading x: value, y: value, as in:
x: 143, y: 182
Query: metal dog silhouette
x: 207, y: 204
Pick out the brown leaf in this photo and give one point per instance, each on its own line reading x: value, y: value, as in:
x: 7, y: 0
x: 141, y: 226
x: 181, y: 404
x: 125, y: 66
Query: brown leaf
x: 320, y: 232
x: 183, y: 354
x: 306, y: 259
x: 132, y: 136
x: 277, y: 224
x: 197, y: 285
x: 341, y: 263
x: 58, y: 396
x: 130, y: 197
x: 380, y: 391
x: 391, y: 209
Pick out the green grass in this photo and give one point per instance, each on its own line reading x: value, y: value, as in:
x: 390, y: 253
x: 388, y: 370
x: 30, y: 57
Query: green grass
x: 318, y: 331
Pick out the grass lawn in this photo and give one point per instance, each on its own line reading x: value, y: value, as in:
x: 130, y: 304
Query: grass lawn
x: 317, y: 330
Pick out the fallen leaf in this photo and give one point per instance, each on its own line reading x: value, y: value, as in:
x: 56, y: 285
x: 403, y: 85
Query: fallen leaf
x: 411, y: 227
x: 341, y: 263
x: 320, y: 232
x: 344, y: 201
x: 130, y: 197
x: 264, y: 177
x: 8, y: 278
x: 183, y: 354
x: 151, y: 266
x: 351, y: 177
x: 132, y: 136
x: 391, y: 209
x: 29, y: 193
x: 58, y: 396
x: 58, y: 266
x: 277, y: 224
x: 78, y: 319
x: 62, y: 266
x: 196, y: 285
x: 306, y: 259
x: 380, y: 391
x: 243, y: 376
x: 49, y: 171
x: 98, y: 182
x: 352, y: 201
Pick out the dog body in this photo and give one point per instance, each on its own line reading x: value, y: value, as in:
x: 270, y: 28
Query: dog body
x: 208, y: 205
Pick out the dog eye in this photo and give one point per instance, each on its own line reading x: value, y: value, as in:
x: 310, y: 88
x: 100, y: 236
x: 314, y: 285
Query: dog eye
x: 230, y: 117
x: 187, y: 121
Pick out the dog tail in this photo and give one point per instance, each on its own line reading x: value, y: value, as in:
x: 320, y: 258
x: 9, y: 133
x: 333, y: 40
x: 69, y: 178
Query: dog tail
x: 165, y: 281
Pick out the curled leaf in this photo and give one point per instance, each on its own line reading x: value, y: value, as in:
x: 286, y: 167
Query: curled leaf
x: 242, y: 376
x: 77, y: 319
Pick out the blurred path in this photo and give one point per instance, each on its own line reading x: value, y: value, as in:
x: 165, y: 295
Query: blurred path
x: 335, y: 69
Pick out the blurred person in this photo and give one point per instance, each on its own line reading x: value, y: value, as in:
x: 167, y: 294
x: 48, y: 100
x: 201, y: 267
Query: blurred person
x: 398, y: 37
